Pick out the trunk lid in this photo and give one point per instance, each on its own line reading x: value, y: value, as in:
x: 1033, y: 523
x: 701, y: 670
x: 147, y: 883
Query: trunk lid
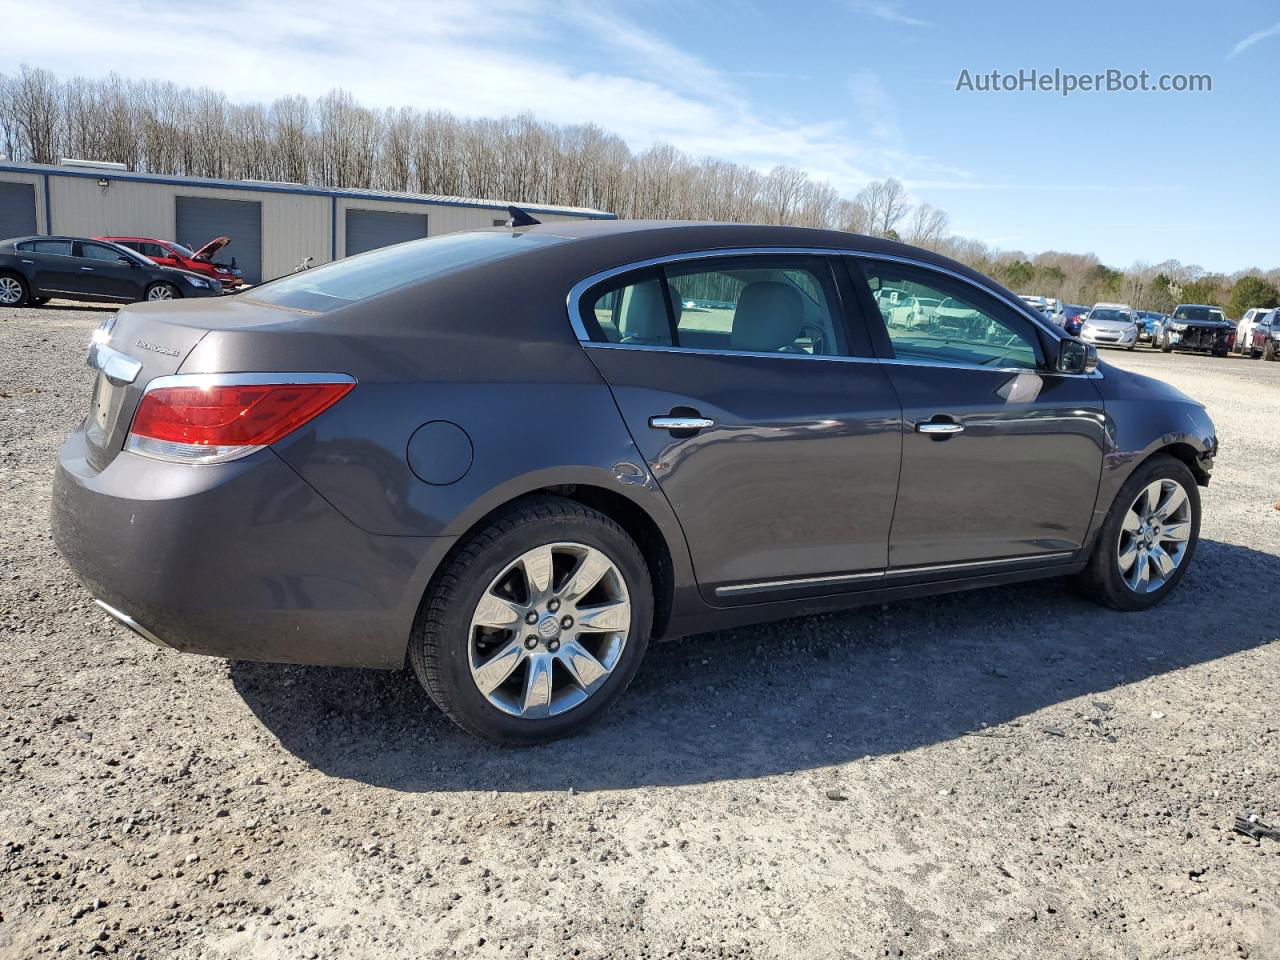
x: 145, y: 341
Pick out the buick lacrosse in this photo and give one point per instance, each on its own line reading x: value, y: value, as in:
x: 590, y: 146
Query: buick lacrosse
x: 513, y: 457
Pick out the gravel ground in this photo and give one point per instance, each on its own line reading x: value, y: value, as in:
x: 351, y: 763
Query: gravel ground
x: 1013, y: 772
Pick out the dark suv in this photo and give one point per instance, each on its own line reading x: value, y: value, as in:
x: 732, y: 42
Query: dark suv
x: 510, y: 458
x: 33, y: 270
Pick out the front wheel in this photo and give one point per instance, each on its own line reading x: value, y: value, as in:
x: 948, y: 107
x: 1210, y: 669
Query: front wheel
x: 537, y: 623
x: 1269, y: 350
x: 1148, y: 539
x: 1165, y: 345
x: 163, y: 291
x: 13, y: 290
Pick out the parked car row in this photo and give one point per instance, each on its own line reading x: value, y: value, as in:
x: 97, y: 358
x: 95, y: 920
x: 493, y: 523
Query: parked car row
x: 1258, y: 335
x: 1191, y: 326
x: 34, y: 269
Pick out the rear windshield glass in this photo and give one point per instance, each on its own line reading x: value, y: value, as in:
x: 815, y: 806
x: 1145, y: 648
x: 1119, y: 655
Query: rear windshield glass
x: 356, y: 278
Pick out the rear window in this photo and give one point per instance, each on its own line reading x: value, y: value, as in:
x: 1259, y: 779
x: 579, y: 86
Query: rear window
x: 358, y: 278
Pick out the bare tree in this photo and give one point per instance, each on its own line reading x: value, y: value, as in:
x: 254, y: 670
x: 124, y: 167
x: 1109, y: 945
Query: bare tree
x: 927, y: 226
x: 886, y: 204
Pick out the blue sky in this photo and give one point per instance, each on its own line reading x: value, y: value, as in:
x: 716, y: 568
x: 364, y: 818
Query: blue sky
x: 850, y: 90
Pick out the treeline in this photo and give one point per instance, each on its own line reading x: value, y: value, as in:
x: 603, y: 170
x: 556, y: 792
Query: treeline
x: 332, y: 140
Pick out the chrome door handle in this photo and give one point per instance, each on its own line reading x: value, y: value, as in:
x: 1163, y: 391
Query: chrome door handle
x: 681, y: 423
x: 936, y: 428
x: 87, y: 269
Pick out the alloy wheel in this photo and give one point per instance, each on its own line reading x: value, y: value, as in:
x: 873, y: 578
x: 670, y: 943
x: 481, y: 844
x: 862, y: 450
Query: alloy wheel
x: 10, y: 291
x: 1154, y: 536
x: 161, y: 291
x: 549, y: 630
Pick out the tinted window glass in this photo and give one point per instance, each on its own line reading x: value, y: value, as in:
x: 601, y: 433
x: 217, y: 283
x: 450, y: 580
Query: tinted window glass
x: 756, y: 304
x: 1191, y: 313
x: 357, y: 278
x: 933, y: 319
x: 96, y: 251
x: 630, y: 309
x: 61, y: 248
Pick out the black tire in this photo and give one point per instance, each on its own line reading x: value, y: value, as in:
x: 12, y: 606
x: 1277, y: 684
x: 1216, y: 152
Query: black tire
x: 174, y: 292
x: 439, y: 647
x: 1101, y: 580
x: 1165, y: 345
x: 1269, y: 350
x: 23, y: 291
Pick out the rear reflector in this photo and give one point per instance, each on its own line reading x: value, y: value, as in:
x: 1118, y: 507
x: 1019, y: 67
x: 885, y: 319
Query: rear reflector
x: 214, y: 418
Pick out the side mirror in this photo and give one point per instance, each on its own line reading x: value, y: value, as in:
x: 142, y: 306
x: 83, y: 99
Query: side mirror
x: 1076, y: 356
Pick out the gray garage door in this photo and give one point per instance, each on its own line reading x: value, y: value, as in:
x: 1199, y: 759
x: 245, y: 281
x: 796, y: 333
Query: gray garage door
x: 371, y: 229
x: 17, y: 210
x: 200, y: 219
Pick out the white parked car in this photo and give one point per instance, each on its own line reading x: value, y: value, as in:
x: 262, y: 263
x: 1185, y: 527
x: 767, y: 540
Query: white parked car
x: 1244, y: 329
x: 1050, y: 307
x: 1263, y: 338
x: 1110, y: 325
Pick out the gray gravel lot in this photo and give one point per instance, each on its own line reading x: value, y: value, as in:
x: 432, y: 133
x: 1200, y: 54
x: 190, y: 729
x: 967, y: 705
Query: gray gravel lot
x: 1012, y: 773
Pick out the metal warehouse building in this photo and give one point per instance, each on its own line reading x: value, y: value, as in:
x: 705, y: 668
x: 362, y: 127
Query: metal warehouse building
x: 272, y: 226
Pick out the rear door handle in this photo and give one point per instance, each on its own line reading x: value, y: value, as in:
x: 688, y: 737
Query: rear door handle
x: 681, y: 423
x: 940, y: 428
x: 87, y: 269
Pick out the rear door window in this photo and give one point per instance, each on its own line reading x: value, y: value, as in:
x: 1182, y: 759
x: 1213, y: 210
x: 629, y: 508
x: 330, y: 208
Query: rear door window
x: 750, y: 304
x: 59, y: 248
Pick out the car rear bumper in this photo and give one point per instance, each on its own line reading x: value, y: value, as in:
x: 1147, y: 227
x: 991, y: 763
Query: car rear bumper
x: 242, y: 560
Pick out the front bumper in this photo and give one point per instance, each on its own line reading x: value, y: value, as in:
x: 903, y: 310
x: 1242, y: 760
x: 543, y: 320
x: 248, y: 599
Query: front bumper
x: 241, y: 560
x: 1200, y: 338
x: 1109, y: 338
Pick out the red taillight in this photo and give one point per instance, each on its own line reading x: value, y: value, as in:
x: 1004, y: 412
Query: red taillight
x: 214, y: 419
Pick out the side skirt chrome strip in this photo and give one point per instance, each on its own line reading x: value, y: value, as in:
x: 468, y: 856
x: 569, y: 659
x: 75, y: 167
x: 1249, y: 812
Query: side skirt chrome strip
x: 800, y: 583
x: 834, y: 580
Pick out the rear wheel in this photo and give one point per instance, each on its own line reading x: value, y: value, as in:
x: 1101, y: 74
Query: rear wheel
x: 163, y: 291
x: 13, y: 290
x: 537, y: 624
x: 1148, y: 539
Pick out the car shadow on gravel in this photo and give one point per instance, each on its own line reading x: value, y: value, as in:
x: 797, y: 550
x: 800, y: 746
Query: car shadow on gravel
x: 789, y: 696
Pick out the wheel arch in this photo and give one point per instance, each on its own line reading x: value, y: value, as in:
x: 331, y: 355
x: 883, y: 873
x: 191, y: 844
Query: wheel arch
x: 659, y: 538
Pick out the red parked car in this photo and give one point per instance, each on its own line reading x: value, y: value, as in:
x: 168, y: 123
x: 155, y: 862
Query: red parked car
x: 168, y: 253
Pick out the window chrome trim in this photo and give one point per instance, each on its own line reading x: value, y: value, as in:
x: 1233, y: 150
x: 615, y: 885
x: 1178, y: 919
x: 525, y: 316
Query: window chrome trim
x: 573, y: 305
x: 800, y: 583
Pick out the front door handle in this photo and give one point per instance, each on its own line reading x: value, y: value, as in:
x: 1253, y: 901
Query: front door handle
x: 87, y: 269
x: 681, y: 423
x: 942, y: 428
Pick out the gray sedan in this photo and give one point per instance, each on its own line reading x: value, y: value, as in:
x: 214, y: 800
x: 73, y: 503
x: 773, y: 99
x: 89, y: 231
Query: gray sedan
x: 511, y: 458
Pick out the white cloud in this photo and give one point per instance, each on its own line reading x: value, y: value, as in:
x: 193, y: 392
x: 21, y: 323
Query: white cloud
x: 1253, y: 38
x: 889, y: 10
x: 573, y: 62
